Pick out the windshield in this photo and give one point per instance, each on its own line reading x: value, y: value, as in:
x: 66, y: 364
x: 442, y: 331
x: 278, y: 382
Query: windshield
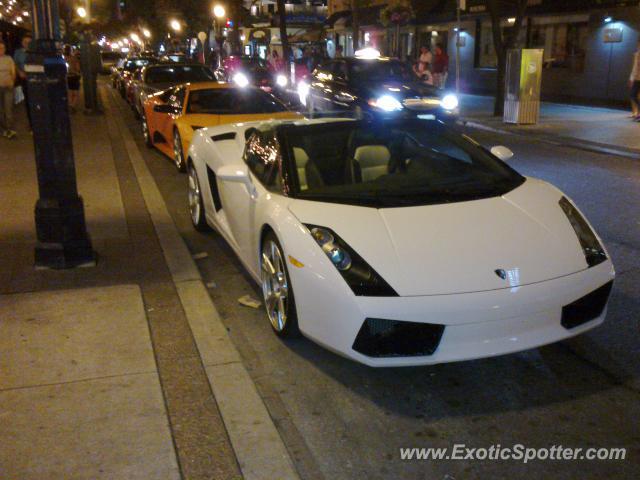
x: 381, y: 71
x: 111, y: 55
x: 136, y: 63
x: 233, y: 101
x: 392, y: 164
x: 178, y: 74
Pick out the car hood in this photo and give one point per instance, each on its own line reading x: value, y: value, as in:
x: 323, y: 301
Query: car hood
x: 457, y: 247
x: 398, y: 89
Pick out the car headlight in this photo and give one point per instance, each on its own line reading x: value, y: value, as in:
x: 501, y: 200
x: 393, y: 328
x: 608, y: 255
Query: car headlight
x: 303, y: 92
x: 593, y: 251
x: 281, y: 80
x: 449, y: 102
x: 386, y: 103
x: 241, y: 79
x: 361, y: 278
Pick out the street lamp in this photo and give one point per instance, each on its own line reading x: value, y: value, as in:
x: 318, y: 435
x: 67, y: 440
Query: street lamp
x: 82, y: 12
x: 146, y: 33
x: 175, y: 25
x: 218, y: 11
x: 135, y: 37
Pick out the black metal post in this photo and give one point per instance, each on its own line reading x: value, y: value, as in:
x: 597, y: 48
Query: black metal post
x: 62, y: 238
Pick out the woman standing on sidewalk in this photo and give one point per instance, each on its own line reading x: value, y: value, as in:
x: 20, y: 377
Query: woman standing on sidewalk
x: 634, y: 83
x: 73, y: 77
x: 7, y: 82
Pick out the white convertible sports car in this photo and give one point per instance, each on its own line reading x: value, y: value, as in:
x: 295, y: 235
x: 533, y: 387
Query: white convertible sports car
x: 399, y: 242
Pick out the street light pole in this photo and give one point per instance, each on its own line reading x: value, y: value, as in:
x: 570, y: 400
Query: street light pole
x: 62, y: 238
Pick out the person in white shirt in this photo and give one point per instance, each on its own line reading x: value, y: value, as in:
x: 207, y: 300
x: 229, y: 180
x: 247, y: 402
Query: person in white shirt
x: 7, y: 81
x: 634, y: 84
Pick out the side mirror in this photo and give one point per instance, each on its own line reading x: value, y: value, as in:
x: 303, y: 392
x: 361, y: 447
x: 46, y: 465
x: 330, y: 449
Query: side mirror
x: 164, y: 108
x: 237, y: 174
x: 503, y: 153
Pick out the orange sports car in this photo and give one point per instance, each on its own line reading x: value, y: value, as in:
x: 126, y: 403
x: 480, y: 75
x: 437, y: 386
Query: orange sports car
x: 171, y: 116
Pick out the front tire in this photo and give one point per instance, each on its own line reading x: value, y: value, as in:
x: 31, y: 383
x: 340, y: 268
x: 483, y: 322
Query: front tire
x: 178, y: 156
x: 196, y: 204
x: 277, y: 290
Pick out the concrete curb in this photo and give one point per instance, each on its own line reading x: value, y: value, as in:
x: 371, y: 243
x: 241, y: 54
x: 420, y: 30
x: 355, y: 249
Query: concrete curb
x: 569, y: 142
x: 257, y: 444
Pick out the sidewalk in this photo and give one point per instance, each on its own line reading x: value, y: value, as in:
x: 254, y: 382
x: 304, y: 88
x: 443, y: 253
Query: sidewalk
x: 591, y: 128
x: 123, y: 370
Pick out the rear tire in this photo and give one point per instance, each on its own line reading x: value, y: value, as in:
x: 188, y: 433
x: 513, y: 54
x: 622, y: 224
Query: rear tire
x: 277, y: 290
x: 178, y: 154
x: 146, y: 133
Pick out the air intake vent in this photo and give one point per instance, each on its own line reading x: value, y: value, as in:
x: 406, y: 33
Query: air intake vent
x: 586, y: 308
x: 224, y: 136
x: 392, y: 338
x: 213, y: 186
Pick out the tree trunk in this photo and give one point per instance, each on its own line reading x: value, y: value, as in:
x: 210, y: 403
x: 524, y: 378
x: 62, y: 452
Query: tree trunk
x: 284, y: 39
x: 498, y: 106
x: 502, y: 45
x: 355, y: 24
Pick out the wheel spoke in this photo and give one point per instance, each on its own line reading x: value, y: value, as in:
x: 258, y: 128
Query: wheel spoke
x: 267, y: 266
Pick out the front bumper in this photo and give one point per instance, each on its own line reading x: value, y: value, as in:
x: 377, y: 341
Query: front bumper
x: 476, y: 325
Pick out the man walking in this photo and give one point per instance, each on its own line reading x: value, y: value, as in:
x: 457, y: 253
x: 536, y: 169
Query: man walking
x: 7, y: 81
x: 634, y: 83
x: 20, y: 59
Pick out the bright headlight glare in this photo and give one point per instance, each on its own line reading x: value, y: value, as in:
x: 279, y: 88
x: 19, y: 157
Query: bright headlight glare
x: 241, y: 79
x: 303, y: 92
x: 281, y: 80
x: 449, y: 102
x: 386, y: 103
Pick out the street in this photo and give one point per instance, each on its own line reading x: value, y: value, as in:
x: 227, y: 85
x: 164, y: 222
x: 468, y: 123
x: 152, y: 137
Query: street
x: 343, y: 420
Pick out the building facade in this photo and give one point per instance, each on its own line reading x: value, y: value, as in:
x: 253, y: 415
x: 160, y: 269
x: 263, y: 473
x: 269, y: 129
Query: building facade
x: 588, y: 44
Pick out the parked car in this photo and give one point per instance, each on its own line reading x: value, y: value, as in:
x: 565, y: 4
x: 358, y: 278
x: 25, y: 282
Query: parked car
x: 158, y: 77
x: 109, y: 60
x: 377, y: 86
x: 127, y: 69
x: 398, y: 242
x: 171, y: 117
x: 244, y: 71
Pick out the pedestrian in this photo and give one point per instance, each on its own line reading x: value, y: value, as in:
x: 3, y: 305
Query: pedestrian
x: 73, y: 77
x: 20, y: 59
x: 634, y: 84
x: 275, y: 62
x: 425, y: 59
x: 7, y: 82
x: 440, y: 67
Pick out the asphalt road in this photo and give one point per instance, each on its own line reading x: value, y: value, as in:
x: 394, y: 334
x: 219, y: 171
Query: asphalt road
x: 341, y: 420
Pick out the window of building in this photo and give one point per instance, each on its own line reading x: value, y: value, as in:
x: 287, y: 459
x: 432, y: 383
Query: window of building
x: 564, y: 44
x: 564, y: 40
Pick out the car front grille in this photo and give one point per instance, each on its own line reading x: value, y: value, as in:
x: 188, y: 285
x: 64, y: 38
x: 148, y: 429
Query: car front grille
x: 392, y: 338
x: 586, y: 308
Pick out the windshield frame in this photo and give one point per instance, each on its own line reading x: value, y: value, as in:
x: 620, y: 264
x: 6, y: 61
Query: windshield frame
x: 352, y: 65
x: 238, y: 91
x: 395, y: 200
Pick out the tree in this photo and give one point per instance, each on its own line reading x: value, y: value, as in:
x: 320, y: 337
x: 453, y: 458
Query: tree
x: 502, y: 42
x: 284, y: 39
x: 355, y: 22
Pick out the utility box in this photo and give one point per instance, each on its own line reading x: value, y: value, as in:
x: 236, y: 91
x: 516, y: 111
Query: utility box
x: 522, y: 86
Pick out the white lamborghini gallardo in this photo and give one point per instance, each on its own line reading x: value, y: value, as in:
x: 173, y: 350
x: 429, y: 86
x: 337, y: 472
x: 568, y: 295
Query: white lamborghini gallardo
x: 398, y: 242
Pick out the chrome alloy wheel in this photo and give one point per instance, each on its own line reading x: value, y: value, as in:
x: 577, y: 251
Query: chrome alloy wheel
x: 194, y: 196
x: 177, y: 152
x: 145, y: 130
x: 275, y: 285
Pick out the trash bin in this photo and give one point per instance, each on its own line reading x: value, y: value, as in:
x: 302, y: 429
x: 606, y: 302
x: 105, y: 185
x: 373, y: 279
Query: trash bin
x: 522, y: 86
